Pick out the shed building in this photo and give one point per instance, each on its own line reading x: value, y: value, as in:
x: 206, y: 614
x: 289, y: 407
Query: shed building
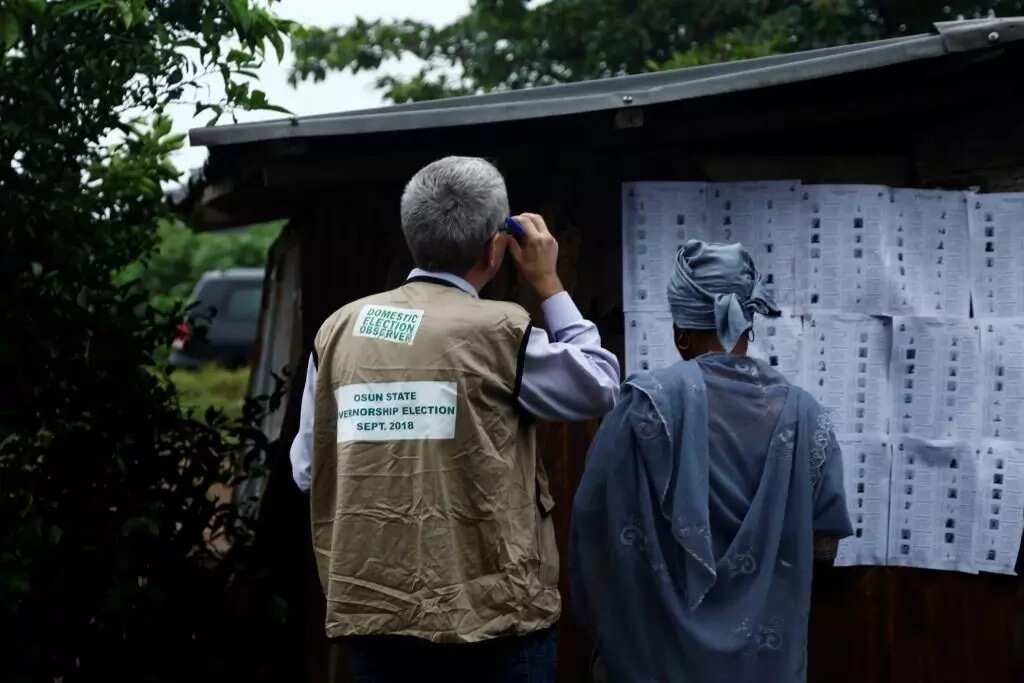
x: 939, y: 110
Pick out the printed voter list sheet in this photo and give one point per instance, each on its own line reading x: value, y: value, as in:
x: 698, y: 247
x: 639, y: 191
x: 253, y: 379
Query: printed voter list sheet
x: 779, y: 343
x: 657, y: 219
x: 840, y: 252
x: 650, y: 343
x: 764, y: 216
x: 1000, y: 512
x: 928, y: 253
x: 936, y: 378
x: 735, y: 212
x: 997, y: 254
x: 999, y: 516
x: 933, y: 501
x: 1002, y: 345
x: 846, y: 366
x: 867, y: 462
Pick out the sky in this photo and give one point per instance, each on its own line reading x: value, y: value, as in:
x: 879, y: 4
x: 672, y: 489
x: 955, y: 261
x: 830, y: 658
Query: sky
x: 338, y: 92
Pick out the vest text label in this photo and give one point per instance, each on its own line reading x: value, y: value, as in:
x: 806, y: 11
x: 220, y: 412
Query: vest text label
x: 396, y: 325
x: 396, y: 411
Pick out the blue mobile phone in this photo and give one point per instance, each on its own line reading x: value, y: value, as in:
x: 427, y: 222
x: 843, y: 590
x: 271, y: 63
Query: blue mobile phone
x: 514, y: 228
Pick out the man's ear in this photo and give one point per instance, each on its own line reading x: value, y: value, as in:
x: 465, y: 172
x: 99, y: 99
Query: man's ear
x: 495, y: 252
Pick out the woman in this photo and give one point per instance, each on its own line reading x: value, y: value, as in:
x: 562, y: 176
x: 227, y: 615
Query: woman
x: 693, y: 529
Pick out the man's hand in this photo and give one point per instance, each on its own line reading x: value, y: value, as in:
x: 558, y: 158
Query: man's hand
x: 537, y: 257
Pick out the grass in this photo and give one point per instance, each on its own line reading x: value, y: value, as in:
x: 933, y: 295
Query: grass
x: 212, y: 385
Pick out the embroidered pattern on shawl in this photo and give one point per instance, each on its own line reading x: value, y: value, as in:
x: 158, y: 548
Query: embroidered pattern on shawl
x: 819, y: 447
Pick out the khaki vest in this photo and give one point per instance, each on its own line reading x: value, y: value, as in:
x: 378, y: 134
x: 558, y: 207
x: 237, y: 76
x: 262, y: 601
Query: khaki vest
x: 430, y: 509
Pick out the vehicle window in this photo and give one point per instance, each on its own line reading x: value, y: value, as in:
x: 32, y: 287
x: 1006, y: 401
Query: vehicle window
x: 208, y: 293
x: 243, y: 303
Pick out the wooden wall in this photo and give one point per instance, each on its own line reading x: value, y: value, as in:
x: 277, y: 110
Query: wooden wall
x: 873, y: 624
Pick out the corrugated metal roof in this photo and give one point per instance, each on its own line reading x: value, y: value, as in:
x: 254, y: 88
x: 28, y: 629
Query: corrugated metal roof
x: 628, y: 91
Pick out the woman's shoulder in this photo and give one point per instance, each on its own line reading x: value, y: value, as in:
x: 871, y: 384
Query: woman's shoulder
x: 660, y: 377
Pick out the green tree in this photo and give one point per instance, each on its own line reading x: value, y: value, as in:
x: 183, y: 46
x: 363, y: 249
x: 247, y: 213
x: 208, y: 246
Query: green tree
x: 182, y: 255
x: 509, y: 44
x: 115, y: 559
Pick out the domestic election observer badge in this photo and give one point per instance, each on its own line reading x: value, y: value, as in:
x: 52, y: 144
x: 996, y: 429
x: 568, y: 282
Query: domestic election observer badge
x: 396, y: 411
x: 398, y: 325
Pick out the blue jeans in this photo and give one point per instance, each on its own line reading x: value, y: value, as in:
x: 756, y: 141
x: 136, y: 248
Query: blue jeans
x: 397, y: 659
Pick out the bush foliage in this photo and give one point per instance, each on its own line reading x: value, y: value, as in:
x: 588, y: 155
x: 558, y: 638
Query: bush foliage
x: 116, y: 561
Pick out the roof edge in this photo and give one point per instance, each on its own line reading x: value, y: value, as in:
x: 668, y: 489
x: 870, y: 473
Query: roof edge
x: 979, y: 34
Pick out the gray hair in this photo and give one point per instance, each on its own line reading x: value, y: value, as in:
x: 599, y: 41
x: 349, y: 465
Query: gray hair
x: 450, y: 208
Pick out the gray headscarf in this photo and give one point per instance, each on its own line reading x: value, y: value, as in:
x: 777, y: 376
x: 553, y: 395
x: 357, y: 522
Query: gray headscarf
x: 716, y: 287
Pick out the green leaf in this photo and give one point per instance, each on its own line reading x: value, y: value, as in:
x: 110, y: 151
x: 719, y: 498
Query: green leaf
x: 149, y: 186
x: 162, y: 126
x: 10, y: 31
x: 204, y: 106
x: 72, y: 7
x: 127, y: 14
x: 172, y: 143
x: 239, y: 57
x: 278, y: 42
x: 239, y: 10
x: 258, y: 98
x: 36, y: 7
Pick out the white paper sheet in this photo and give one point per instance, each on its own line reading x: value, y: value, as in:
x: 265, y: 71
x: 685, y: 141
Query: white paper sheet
x: 779, y: 342
x: 997, y: 254
x: 846, y: 367
x: 933, y: 504
x: 764, y: 216
x: 840, y: 261
x: 649, y: 341
x: 927, y: 253
x: 1002, y: 344
x: 936, y: 378
x: 657, y: 219
x: 1000, y: 513
x: 867, y: 462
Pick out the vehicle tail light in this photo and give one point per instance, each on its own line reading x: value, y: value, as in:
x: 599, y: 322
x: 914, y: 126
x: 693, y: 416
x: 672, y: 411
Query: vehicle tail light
x: 181, y: 337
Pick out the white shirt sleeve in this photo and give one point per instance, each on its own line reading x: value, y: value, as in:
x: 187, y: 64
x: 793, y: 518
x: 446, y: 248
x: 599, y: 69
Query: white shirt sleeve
x: 568, y: 376
x: 301, y: 453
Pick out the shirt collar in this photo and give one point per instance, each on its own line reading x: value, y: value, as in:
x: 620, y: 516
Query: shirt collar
x: 447, y: 277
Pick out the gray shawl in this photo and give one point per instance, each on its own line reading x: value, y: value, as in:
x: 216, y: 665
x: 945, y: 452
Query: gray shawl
x: 692, y: 529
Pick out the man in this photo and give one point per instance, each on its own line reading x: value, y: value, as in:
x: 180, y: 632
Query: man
x: 430, y: 509
x: 705, y: 494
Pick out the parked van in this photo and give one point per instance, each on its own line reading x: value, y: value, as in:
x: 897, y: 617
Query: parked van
x: 227, y: 304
